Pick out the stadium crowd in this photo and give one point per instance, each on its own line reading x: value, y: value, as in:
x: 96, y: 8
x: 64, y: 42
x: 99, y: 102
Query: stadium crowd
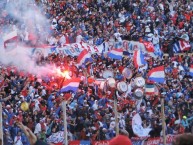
x: 90, y: 110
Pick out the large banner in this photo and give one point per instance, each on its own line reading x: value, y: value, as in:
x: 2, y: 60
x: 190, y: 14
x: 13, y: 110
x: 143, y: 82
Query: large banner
x: 135, y: 140
x: 74, y: 49
x: 159, y: 140
x: 79, y: 142
x: 138, y: 140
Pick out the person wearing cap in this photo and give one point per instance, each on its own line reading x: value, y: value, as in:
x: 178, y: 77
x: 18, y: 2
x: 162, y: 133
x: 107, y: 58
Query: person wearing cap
x: 121, y: 139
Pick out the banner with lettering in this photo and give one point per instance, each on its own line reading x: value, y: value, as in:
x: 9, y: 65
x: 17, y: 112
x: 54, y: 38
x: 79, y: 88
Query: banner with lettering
x: 79, y: 142
x: 159, y: 140
x: 74, y: 49
x: 169, y: 139
x: 56, y: 137
x: 153, y: 141
x: 103, y: 142
x: 130, y: 46
x: 138, y: 140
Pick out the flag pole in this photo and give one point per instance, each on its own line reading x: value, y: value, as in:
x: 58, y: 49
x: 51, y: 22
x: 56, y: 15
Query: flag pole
x: 116, y: 114
x: 64, y: 103
x: 1, y: 125
x: 65, y: 122
x: 163, y: 118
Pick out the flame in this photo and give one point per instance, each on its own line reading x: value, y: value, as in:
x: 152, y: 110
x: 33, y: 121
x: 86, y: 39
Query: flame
x: 63, y: 74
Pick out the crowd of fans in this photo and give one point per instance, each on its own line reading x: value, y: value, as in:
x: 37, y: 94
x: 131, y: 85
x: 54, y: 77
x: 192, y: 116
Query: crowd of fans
x: 90, y: 110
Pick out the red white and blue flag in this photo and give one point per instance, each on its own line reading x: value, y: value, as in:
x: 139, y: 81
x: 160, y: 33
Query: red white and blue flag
x: 138, y: 59
x: 115, y: 54
x: 191, y: 71
x: 70, y: 85
x: 149, y: 89
x: 157, y: 74
x: 84, y: 58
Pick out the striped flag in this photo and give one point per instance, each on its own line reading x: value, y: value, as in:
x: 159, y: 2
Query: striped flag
x: 191, y: 71
x: 115, y: 54
x: 70, y: 85
x: 84, y: 58
x: 138, y: 58
x: 157, y: 74
x: 149, y: 89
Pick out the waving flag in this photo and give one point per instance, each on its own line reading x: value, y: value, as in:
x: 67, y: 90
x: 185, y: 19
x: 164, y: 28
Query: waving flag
x: 184, y: 45
x: 157, y: 74
x: 149, y: 89
x: 138, y: 58
x: 138, y: 128
x: 84, y: 57
x: 180, y: 46
x: 191, y: 70
x: 176, y: 47
x: 115, y: 54
x: 71, y: 85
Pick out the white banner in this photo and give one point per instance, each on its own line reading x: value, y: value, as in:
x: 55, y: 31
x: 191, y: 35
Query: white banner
x: 74, y: 49
x: 56, y: 137
x: 138, y: 128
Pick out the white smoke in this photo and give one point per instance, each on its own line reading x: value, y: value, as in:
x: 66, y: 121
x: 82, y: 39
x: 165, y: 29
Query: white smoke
x: 19, y: 57
x: 26, y: 16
